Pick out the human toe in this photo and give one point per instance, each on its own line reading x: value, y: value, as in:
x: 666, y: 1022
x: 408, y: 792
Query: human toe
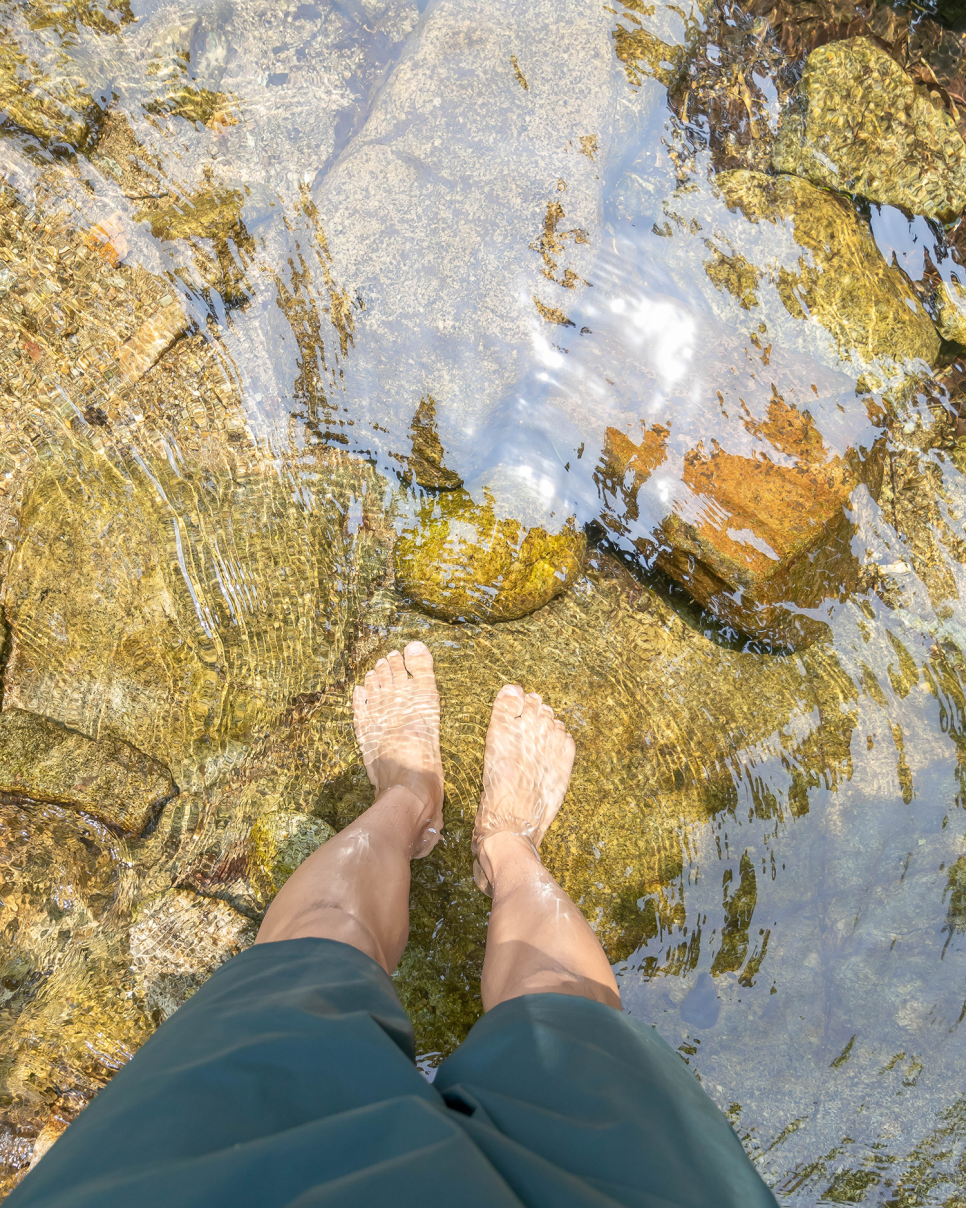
x: 509, y: 701
x: 419, y: 664
x: 532, y: 704
x: 383, y: 673
x: 397, y: 668
x: 371, y: 685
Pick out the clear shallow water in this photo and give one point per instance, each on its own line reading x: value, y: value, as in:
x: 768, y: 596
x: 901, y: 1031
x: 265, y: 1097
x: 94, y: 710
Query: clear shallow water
x: 359, y: 208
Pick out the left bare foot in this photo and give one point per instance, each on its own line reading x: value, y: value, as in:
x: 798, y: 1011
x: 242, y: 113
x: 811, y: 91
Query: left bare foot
x: 396, y: 719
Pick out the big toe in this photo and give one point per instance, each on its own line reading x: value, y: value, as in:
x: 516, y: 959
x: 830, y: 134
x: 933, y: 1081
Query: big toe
x: 509, y: 702
x: 419, y: 664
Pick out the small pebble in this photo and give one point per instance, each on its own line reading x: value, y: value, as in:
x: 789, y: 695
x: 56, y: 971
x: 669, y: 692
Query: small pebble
x: 907, y: 428
x: 167, y: 300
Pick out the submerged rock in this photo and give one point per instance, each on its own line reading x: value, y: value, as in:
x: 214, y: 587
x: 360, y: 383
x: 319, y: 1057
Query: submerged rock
x: 765, y: 531
x: 461, y: 562
x: 178, y: 939
x: 197, y: 105
x: 210, y: 214
x: 188, y: 58
x: 281, y: 840
x: 109, y: 780
x: 52, y: 101
x: 951, y: 306
x: 152, y: 339
x: 840, y: 282
x: 105, y: 16
x: 863, y: 126
x: 773, y: 534
x: 190, y: 605
x: 69, y: 1017
x: 463, y: 257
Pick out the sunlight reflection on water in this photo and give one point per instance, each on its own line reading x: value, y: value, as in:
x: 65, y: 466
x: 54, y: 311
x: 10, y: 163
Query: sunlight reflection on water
x: 385, y: 236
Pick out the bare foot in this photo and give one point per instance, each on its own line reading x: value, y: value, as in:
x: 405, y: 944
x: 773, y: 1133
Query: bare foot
x: 396, y: 720
x: 526, y: 770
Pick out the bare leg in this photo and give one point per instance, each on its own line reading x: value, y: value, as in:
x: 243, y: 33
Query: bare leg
x: 355, y: 888
x: 538, y: 941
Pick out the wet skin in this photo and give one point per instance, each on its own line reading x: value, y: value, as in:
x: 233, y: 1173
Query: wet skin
x: 355, y: 888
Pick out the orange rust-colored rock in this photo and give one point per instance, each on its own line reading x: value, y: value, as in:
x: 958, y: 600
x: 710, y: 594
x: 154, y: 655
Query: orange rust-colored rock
x: 107, y: 238
x: 622, y: 456
x: 767, y: 539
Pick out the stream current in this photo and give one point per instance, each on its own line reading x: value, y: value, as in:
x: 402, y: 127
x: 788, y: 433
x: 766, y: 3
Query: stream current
x: 565, y: 337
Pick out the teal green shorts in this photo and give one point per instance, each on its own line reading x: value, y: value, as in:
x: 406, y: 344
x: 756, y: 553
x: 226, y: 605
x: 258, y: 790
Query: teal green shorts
x: 289, y: 1079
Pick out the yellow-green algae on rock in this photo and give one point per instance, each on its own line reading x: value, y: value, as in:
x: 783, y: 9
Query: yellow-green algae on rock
x: 68, y: 1015
x: 109, y: 780
x: 951, y: 306
x: 460, y: 562
x: 210, y: 214
x: 863, y: 126
x: 190, y: 607
x: 842, y: 283
x: 52, y: 102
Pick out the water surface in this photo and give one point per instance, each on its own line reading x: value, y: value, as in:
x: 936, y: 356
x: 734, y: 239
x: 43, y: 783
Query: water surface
x: 278, y: 277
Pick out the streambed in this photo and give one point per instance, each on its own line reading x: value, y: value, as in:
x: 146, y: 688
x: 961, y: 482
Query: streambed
x: 613, y: 350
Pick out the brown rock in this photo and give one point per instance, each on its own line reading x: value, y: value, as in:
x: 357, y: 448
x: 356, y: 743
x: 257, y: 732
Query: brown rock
x: 107, y: 238
x: 622, y: 455
x: 109, y: 780
x: 767, y: 535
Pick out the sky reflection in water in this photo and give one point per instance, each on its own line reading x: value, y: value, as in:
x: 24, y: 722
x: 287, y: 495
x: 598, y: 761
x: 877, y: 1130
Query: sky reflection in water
x: 808, y: 960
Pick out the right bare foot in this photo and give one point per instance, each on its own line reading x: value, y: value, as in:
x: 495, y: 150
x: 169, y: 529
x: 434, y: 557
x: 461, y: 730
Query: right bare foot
x: 396, y: 720
x: 526, y: 770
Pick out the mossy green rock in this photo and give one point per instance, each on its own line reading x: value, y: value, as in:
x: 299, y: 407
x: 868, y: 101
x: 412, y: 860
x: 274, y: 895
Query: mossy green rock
x: 210, y: 214
x: 864, y: 126
x: 105, y: 16
x: 460, y: 562
x: 110, y: 780
x: 842, y: 285
x: 280, y: 841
